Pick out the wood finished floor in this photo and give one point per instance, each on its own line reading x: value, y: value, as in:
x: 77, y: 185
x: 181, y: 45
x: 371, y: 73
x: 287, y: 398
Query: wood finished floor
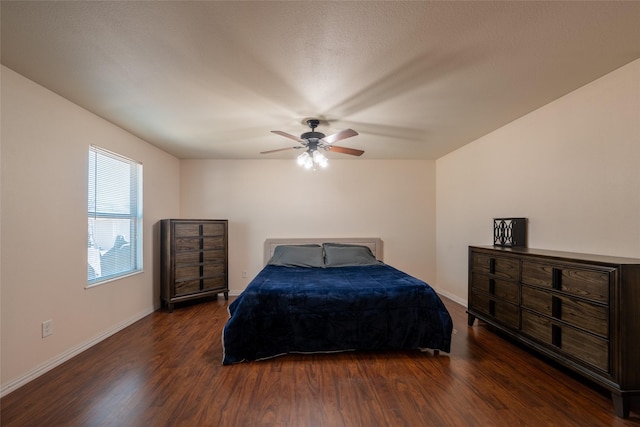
x: 165, y: 371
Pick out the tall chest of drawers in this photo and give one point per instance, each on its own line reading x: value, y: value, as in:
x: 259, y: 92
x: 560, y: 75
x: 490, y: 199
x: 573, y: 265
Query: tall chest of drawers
x: 580, y: 310
x: 193, y: 259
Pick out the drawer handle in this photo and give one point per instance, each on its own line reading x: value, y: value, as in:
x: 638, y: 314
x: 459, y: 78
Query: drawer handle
x: 557, y: 279
x: 556, y: 307
x: 492, y: 265
x: 492, y: 286
x: 556, y: 336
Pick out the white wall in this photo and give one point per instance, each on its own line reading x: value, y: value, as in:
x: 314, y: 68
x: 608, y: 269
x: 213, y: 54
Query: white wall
x: 393, y: 200
x: 572, y: 167
x: 45, y: 141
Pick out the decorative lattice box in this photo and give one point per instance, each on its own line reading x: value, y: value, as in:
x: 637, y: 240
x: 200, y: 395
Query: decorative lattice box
x: 510, y: 232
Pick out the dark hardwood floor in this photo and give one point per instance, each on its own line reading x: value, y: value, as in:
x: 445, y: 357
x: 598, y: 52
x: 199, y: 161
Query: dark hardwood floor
x: 165, y: 370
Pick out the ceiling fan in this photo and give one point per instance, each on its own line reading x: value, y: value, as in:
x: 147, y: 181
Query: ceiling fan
x: 314, y: 141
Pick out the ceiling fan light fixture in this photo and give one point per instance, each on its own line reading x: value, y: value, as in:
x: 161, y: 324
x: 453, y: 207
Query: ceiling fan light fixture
x: 305, y: 160
x: 302, y: 158
x: 308, y: 164
x: 311, y: 159
x: 320, y: 159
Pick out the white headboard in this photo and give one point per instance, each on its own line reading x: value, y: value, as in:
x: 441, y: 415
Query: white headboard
x: 373, y: 243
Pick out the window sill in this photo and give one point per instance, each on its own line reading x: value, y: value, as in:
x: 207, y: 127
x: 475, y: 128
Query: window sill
x: 113, y: 279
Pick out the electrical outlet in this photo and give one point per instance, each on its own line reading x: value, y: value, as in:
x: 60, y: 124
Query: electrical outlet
x: 47, y: 328
x: 244, y: 274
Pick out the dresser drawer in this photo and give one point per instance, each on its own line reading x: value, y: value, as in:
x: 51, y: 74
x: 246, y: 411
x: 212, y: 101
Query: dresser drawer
x: 570, y: 341
x: 213, y: 269
x: 214, y: 229
x: 186, y: 287
x: 594, y: 318
x: 187, y: 244
x: 505, y: 268
x: 190, y: 257
x: 213, y: 283
x: 213, y: 242
x: 186, y: 229
x: 502, y: 289
x: 195, y: 257
x: 503, y: 312
x: 590, y: 284
x: 216, y: 256
x: 187, y: 272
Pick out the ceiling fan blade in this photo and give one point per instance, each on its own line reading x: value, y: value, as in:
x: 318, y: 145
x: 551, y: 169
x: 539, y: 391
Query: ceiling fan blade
x: 279, y: 149
x: 345, y: 150
x: 339, y: 136
x: 287, y: 135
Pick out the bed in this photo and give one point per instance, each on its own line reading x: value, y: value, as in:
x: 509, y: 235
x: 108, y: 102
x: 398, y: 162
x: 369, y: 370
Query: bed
x: 331, y: 295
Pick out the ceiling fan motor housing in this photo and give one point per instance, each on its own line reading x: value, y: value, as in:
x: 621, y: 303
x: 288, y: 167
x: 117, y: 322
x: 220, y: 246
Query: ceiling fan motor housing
x: 313, y: 124
x: 312, y: 135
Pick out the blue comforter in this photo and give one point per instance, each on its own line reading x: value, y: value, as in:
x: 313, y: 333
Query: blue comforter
x: 307, y: 310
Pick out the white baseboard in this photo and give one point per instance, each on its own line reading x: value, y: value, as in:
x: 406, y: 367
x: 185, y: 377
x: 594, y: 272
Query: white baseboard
x: 454, y: 298
x: 63, y: 357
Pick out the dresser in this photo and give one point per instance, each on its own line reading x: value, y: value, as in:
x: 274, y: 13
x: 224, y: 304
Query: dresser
x: 580, y: 310
x: 193, y: 259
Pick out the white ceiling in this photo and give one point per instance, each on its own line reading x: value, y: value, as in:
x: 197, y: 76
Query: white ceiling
x: 416, y: 79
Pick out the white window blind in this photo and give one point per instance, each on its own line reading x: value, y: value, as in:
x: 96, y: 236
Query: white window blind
x: 115, y: 216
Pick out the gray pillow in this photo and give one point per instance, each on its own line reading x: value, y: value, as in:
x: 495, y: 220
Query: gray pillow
x: 344, y: 255
x: 297, y: 256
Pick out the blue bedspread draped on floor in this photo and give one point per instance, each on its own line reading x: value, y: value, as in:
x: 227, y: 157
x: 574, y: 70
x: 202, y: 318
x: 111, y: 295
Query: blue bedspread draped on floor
x: 374, y: 307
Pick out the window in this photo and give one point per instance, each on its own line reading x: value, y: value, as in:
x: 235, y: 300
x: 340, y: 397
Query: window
x: 115, y: 216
